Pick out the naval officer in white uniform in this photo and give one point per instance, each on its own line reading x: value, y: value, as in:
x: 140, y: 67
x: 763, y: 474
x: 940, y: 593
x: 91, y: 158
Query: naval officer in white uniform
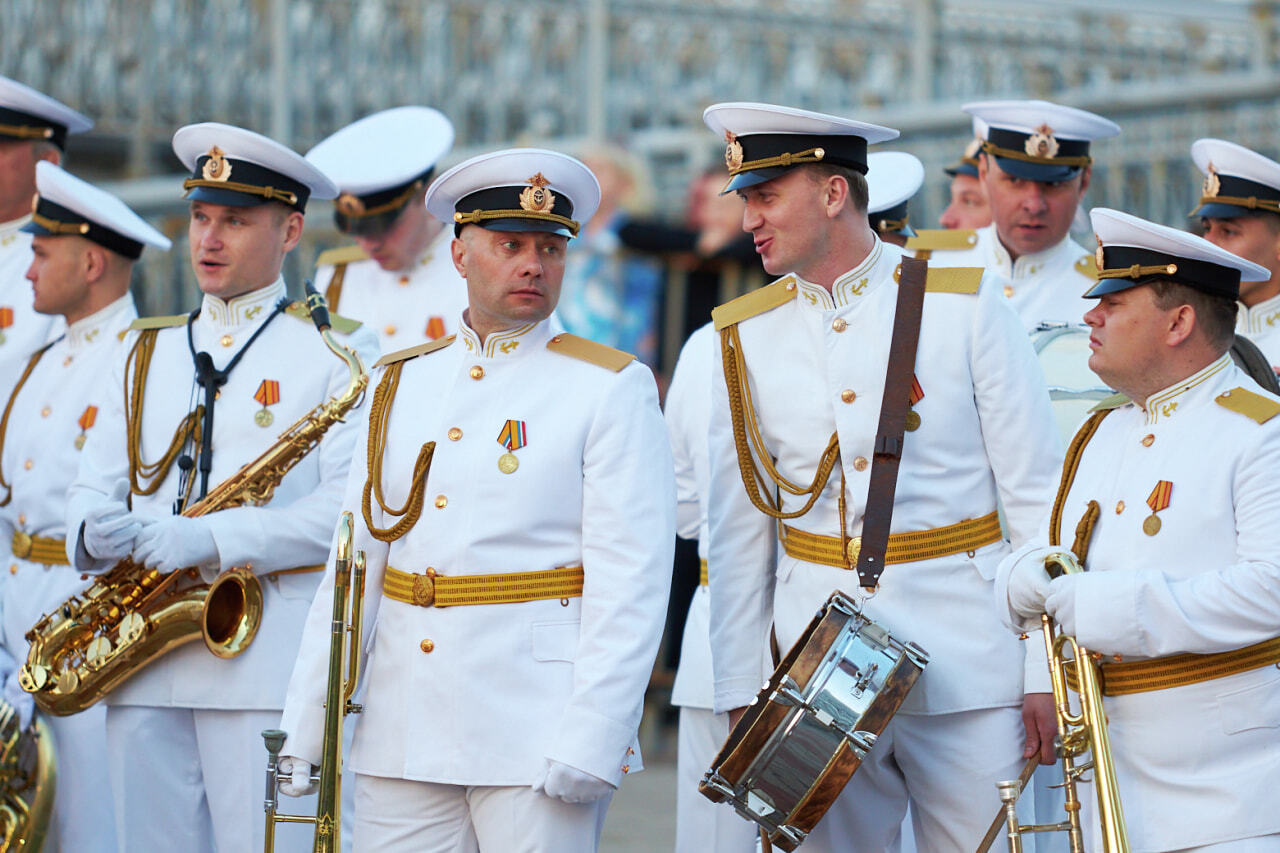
x: 515, y: 501
x: 85, y: 242
x: 398, y: 278
x: 183, y: 733
x: 1170, y: 495
x: 813, y: 348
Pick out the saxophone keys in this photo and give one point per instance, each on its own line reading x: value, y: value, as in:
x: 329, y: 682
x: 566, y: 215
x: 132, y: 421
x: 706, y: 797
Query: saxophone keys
x: 33, y: 678
x: 131, y: 627
x: 68, y: 681
x: 99, y: 650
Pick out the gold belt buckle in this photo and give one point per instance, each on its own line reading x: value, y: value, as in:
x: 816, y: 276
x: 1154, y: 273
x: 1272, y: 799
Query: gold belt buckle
x: 424, y: 589
x: 852, y: 549
x: 21, y: 544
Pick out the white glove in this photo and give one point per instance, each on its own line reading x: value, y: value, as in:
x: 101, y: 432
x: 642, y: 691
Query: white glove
x: 298, y: 771
x: 1060, y: 603
x: 176, y: 543
x: 1029, y: 583
x: 19, y: 699
x: 570, y: 784
x: 110, y: 528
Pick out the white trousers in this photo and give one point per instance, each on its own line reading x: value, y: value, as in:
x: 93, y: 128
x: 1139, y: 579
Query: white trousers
x: 192, y: 780
x: 701, y: 825
x: 403, y: 816
x: 83, y: 816
x: 946, y: 766
x: 1261, y: 844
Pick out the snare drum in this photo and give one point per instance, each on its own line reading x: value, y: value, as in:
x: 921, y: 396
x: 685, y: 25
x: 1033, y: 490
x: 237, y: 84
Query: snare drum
x: 805, y: 734
x: 1074, y: 389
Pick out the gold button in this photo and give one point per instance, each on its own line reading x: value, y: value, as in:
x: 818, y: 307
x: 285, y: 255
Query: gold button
x: 427, y: 646
x: 860, y: 464
x: 22, y: 518
x: 556, y: 339
x: 852, y: 549
x: 839, y: 325
x: 477, y: 372
x: 431, y: 572
x: 44, y: 413
x: 13, y: 568
x: 404, y: 279
x: 1008, y: 291
x: 791, y: 285
x: 390, y: 329
x: 848, y: 396
x: 1119, y: 507
x: 441, y: 501
x: 28, y: 464
x: 1148, y: 440
x: 66, y: 361
x: 454, y: 433
x: 226, y: 340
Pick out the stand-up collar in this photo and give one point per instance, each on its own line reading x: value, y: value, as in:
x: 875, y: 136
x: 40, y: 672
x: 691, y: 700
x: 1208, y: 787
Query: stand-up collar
x: 249, y: 308
x: 1166, y: 403
x: 92, y: 329
x: 849, y: 287
x: 508, y: 343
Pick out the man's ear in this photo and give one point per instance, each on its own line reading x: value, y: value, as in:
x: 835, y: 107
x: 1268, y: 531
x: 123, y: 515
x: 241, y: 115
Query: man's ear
x: 458, y: 250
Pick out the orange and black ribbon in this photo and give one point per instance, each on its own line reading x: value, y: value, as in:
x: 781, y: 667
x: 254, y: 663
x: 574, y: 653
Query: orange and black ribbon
x: 435, y: 328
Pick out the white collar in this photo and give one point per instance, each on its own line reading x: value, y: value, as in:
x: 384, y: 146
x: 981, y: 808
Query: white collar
x: 1028, y: 265
x: 90, y: 330
x: 1263, y: 317
x: 1165, y: 403
x: 848, y: 287
x: 507, y: 343
x: 9, y: 230
x: 253, y: 306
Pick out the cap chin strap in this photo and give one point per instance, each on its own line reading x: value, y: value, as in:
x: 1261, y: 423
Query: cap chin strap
x: 478, y: 216
x: 269, y: 193
x: 1010, y: 154
x: 25, y: 131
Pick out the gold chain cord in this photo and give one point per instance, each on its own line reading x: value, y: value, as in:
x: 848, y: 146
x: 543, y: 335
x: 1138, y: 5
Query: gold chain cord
x: 24, y: 131
x: 746, y: 429
x: 409, y: 514
x: 333, y: 293
x: 1069, y: 467
x: 8, y: 408
x: 1252, y: 202
x: 55, y: 227
x: 1137, y: 271
x: 270, y: 193
x: 137, y: 366
x: 478, y: 216
x: 1010, y: 154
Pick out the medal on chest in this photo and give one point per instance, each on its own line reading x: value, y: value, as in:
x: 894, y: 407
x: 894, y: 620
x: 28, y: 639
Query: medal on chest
x: 268, y: 394
x: 1157, y: 500
x: 512, y: 437
x: 435, y: 328
x: 6, y: 320
x: 917, y: 394
x: 86, y: 422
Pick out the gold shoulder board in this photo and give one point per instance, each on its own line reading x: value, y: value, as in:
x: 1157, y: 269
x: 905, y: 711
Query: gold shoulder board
x: 756, y: 302
x: 158, y: 322
x: 953, y: 280
x: 1115, y: 401
x: 341, y: 325
x: 590, y: 351
x: 1087, y: 266
x: 414, y: 352
x: 1249, y: 404
x: 341, y: 255
x: 943, y: 239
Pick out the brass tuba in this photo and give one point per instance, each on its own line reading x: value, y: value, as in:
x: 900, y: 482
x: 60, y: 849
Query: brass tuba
x: 131, y: 615
x: 28, y: 778
x: 348, y: 612
x: 1078, y: 733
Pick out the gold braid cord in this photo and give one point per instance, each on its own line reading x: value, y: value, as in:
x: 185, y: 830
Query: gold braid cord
x: 136, y: 368
x: 333, y: 292
x: 746, y: 437
x: 8, y: 408
x: 409, y: 514
x: 1084, y: 530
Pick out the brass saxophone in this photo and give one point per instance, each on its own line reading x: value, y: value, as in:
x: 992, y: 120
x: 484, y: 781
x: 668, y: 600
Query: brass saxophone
x: 27, y: 781
x: 132, y: 615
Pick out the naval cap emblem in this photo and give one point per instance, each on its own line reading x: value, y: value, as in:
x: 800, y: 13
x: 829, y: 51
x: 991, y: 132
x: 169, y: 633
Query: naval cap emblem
x: 216, y: 168
x: 1041, y: 143
x: 1211, y: 183
x: 536, y: 198
x: 1098, y: 257
x: 732, y: 152
x: 349, y: 204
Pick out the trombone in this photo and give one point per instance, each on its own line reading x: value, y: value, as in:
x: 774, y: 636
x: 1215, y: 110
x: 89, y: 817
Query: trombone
x: 348, y: 612
x: 1078, y: 733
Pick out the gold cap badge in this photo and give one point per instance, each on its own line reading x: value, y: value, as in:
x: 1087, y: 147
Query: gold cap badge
x: 732, y: 152
x: 216, y: 168
x: 1097, y: 256
x: 536, y: 198
x: 349, y: 205
x: 971, y: 150
x: 1041, y: 143
x: 1211, y: 183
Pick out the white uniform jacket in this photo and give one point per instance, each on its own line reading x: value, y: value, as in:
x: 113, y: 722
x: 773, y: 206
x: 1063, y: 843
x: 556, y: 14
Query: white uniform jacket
x: 22, y: 330
x: 1197, y: 764
x: 815, y: 365
x: 1047, y: 287
x: 50, y: 420
x: 1261, y: 324
x: 501, y: 687
x: 688, y: 414
x: 292, y: 530
x: 403, y: 308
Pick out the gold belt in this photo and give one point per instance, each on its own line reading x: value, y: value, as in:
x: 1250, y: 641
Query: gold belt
x: 39, y: 549
x: 702, y: 573
x: 437, y: 590
x: 1143, y: 676
x: 968, y: 535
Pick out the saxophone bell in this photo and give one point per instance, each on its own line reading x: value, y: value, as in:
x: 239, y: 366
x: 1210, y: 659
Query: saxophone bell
x: 28, y: 779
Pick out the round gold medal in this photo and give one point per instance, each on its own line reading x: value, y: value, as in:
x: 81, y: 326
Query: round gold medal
x: 913, y: 421
x: 1152, y: 525
x: 508, y: 463
x: 80, y: 442
x: 263, y: 418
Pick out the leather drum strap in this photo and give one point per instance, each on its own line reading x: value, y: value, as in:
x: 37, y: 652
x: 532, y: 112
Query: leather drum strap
x: 893, y: 419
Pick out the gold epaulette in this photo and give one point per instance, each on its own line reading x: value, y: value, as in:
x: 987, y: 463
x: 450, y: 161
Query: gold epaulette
x: 342, y: 325
x: 953, y: 280
x: 590, y: 351
x: 1106, y: 404
x: 1087, y: 266
x: 158, y: 322
x: 414, y: 352
x: 1248, y: 403
x: 943, y: 239
x: 756, y: 302
x: 341, y: 255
